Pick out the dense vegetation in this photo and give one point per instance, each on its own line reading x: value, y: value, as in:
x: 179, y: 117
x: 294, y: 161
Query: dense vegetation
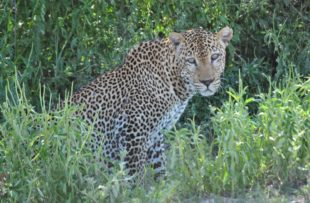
x: 251, y: 140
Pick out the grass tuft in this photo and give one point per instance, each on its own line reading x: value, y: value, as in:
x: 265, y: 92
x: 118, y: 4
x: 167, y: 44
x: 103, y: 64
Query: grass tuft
x: 261, y: 156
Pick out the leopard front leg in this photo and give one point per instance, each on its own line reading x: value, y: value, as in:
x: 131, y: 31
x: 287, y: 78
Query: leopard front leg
x: 131, y: 139
x: 156, y: 154
x: 135, y: 157
x: 136, y: 134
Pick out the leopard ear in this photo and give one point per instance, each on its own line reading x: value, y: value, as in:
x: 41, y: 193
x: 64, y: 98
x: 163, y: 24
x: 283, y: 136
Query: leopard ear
x: 225, y: 35
x: 177, y: 40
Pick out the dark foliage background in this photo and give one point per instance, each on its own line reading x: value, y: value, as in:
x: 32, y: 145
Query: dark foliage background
x: 55, y: 43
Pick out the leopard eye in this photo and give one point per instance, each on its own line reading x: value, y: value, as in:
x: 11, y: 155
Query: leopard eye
x: 214, y: 56
x: 191, y: 61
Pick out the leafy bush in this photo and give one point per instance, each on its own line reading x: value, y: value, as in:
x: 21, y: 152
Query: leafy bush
x: 269, y: 147
x: 60, y: 42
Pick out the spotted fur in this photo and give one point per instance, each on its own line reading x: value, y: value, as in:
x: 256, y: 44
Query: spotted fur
x: 130, y: 106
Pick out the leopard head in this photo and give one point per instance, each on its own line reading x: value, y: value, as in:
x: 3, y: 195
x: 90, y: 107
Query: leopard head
x: 200, y: 56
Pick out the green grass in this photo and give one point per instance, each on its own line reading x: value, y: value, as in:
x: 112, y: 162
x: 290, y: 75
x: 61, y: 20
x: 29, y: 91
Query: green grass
x: 252, y: 157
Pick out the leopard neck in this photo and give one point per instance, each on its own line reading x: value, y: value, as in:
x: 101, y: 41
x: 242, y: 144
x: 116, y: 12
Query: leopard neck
x: 158, y: 58
x: 181, y: 87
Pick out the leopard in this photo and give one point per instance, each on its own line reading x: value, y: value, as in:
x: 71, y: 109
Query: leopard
x: 131, y: 106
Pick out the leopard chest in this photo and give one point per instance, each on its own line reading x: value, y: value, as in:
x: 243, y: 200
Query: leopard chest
x: 172, y: 115
x: 167, y: 121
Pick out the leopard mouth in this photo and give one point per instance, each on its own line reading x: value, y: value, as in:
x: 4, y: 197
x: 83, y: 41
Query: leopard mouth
x: 207, y: 90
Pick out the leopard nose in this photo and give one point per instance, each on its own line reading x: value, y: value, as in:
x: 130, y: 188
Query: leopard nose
x: 207, y: 82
